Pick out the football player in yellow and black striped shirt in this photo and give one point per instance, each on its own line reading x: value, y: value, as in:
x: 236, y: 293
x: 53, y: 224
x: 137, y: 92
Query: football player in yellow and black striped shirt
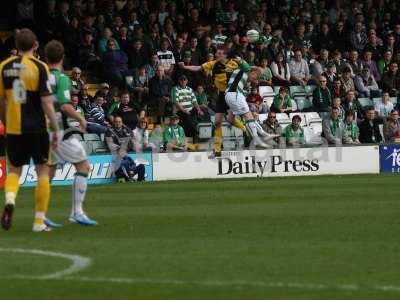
x: 25, y: 102
x: 220, y: 68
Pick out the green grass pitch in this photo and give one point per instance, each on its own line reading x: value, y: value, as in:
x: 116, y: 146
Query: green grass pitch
x: 330, y: 237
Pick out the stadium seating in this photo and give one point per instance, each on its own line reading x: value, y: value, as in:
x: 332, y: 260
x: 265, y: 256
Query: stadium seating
x: 393, y: 100
x: 365, y: 102
x: 205, y: 130
x: 303, y: 104
x: 297, y: 91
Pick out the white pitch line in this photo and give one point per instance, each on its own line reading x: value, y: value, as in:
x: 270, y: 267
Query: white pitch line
x: 78, y: 262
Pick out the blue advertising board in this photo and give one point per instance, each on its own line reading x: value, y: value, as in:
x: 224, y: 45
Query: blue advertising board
x: 390, y: 158
x: 101, y: 170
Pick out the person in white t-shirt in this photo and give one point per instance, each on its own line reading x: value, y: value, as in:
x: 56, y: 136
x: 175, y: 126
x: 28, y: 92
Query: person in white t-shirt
x: 384, y: 107
x: 166, y: 57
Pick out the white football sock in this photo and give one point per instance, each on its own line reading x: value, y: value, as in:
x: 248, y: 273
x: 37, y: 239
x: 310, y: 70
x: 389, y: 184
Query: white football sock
x: 252, y: 128
x: 79, y: 188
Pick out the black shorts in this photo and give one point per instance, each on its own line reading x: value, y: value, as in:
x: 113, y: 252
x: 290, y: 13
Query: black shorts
x: 221, y: 106
x: 21, y: 148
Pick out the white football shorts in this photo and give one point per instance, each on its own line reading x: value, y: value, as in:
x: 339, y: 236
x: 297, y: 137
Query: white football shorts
x: 70, y: 150
x: 237, y: 103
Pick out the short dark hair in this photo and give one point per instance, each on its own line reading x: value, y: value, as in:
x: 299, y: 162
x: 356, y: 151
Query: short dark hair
x: 349, y: 113
x: 25, y: 39
x: 54, y: 51
x: 296, y: 117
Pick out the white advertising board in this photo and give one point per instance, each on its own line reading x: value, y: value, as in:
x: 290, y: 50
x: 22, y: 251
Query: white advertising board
x: 267, y: 163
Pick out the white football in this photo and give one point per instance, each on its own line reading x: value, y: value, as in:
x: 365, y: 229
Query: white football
x: 253, y: 35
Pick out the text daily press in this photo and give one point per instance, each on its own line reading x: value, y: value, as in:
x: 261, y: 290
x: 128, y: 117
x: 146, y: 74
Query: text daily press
x: 273, y: 164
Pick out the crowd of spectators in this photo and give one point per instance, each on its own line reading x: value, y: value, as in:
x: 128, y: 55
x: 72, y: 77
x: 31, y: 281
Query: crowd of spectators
x: 347, y: 49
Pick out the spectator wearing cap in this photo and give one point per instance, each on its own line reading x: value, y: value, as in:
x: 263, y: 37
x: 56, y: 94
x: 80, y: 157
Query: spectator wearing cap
x: 272, y: 126
x: 384, y: 106
x: 280, y: 71
x: 369, y: 128
x: 351, y: 131
x: 76, y: 80
x: 174, y: 135
x: 391, y: 80
x: 300, y: 74
x: 332, y: 127
x: 185, y: 104
x: 160, y: 92
x: 322, y: 96
x: 166, y: 57
x: 294, y: 133
x: 115, y: 64
x: 141, y: 137
x: 366, y: 85
x: 282, y: 101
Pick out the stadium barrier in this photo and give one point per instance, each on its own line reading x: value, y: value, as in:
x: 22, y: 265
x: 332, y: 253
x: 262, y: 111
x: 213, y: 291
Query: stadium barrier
x: 237, y: 164
x: 267, y: 163
x: 390, y: 158
x: 101, y: 171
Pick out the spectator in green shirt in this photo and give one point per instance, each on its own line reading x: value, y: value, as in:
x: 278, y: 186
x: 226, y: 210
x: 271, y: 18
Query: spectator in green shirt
x: 384, y: 62
x: 202, y: 102
x: 186, y: 106
x: 71, y: 122
x: 174, y: 136
x: 351, y: 131
x: 294, y: 133
x: 282, y: 102
x: 266, y: 74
